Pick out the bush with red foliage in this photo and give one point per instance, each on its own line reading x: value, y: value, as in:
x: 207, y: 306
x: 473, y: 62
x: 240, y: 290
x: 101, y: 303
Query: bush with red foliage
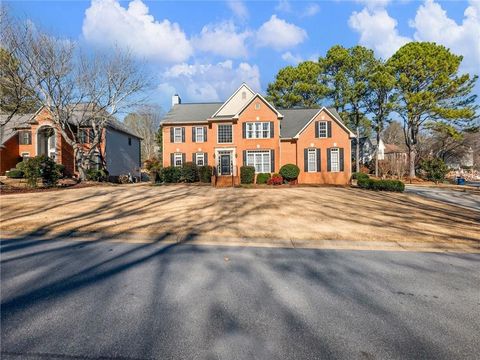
x: 275, y: 180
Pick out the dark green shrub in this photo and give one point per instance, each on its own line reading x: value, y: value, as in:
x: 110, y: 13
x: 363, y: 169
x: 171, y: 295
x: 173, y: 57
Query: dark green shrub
x: 15, y: 174
x: 381, y: 185
x: 359, y: 175
x: 247, y: 174
x: 20, y: 165
x: 263, y: 178
x: 205, y: 173
x: 189, y: 172
x: 97, y: 175
x: 434, y: 169
x: 289, y: 172
x: 171, y: 174
x: 60, y: 169
x: 41, y: 167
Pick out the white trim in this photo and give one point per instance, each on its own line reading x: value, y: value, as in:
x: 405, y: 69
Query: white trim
x: 202, y: 130
x: 342, y: 125
x: 233, y: 152
x: 337, y: 151
x: 314, y: 151
x: 181, y: 135
x: 326, y: 129
x: 257, y: 95
x: 175, y: 160
x: 262, y: 152
x: 261, y: 130
x: 231, y: 97
x: 37, y: 143
x: 202, y: 157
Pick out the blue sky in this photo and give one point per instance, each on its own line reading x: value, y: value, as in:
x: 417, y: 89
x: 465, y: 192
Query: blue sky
x: 204, y: 50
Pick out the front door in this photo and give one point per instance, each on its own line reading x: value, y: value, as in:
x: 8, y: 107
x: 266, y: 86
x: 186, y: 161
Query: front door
x: 225, y: 164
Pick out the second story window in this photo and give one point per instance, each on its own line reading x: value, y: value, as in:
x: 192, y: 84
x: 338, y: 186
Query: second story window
x: 225, y: 133
x: 322, y: 129
x: 177, y: 135
x: 258, y: 130
x: 83, y: 136
x: 25, y: 137
x: 199, y: 134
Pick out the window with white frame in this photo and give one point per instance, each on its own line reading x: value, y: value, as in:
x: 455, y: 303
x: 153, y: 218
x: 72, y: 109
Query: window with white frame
x: 225, y: 133
x: 25, y: 137
x: 260, y: 159
x: 312, y: 160
x: 200, y: 158
x: 322, y: 129
x: 199, y: 135
x: 335, y: 160
x: 178, y: 159
x: 177, y: 135
x: 258, y: 130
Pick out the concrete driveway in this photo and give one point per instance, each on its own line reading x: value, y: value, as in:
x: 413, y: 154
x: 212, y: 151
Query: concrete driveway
x: 102, y: 300
x: 465, y: 199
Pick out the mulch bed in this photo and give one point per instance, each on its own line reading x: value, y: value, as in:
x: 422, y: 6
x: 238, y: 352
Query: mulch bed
x: 8, y: 190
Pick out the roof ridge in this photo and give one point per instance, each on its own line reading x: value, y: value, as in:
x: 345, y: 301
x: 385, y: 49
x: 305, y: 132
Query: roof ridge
x: 200, y: 103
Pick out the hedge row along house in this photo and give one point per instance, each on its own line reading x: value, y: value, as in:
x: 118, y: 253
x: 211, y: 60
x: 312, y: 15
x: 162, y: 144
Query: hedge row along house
x: 247, y: 130
x: 30, y: 135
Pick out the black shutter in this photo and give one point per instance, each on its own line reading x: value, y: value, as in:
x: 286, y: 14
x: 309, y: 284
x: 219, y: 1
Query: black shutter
x: 329, y: 129
x: 172, y: 130
x: 316, y: 129
x: 272, y: 129
x: 183, y: 134
x: 341, y: 159
x: 205, y: 155
x: 329, y: 162
x: 244, y: 157
x: 205, y: 133
x: 183, y: 159
x: 319, y: 161
x: 194, y: 158
x: 305, y: 160
x: 172, y: 161
x: 272, y: 161
x: 244, y: 130
x: 193, y: 134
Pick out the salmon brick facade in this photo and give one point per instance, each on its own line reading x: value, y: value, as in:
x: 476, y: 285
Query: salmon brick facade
x: 247, y: 130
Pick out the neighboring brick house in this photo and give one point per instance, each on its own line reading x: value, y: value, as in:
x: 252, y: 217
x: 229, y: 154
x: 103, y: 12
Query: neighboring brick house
x: 35, y: 134
x: 248, y: 130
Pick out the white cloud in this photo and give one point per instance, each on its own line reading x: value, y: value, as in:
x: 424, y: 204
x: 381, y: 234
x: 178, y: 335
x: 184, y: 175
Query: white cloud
x: 291, y: 58
x: 209, y: 82
x: 374, y: 4
x: 283, y: 6
x: 279, y: 34
x: 238, y: 7
x: 432, y: 23
x: 311, y: 10
x: 378, y: 31
x: 107, y: 23
x: 222, y: 39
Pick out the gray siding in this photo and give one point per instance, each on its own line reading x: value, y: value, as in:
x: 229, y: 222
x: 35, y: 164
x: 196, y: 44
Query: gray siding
x: 120, y: 157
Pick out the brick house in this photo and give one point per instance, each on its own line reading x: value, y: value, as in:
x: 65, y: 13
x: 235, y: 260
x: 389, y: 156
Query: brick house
x: 247, y: 130
x: 29, y: 135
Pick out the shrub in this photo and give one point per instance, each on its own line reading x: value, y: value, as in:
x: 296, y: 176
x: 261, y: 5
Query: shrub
x: 171, y: 174
x: 205, y: 173
x: 124, y: 179
x: 435, y: 169
x: 20, y: 165
x: 189, y: 172
x: 263, y: 178
x: 41, y: 167
x: 154, y: 168
x: 359, y: 175
x: 15, y: 174
x: 289, y: 172
x: 60, y: 169
x: 247, y: 174
x: 276, y: 179
x: 381, y: 185
x: 97, y: 175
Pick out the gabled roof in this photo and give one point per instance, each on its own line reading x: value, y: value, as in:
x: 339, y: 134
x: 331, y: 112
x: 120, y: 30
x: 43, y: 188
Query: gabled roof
x: 225, y: 110
x: 261, y: 98
x: 191, y: 113
x: 295, y: 121
x: 10, y: 128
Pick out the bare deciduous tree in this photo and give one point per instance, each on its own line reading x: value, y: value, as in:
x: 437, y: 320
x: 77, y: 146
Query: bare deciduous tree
x: 80, y: 91
x: 145, y: 123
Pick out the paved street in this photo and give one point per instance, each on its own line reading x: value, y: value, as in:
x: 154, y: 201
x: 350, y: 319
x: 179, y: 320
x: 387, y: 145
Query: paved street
x: 105, y: 300
x: 463, y: 199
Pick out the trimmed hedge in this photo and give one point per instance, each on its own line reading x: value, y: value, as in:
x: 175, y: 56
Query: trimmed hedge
x: 247, y: 174
x: 380, y: 185
x: 171, y: 174
x: 15, y: 174
x: 263, y: 178
x: 289, y: 172
x: 189, y: 172
x: 359, y: 175
x: 205, y: 173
